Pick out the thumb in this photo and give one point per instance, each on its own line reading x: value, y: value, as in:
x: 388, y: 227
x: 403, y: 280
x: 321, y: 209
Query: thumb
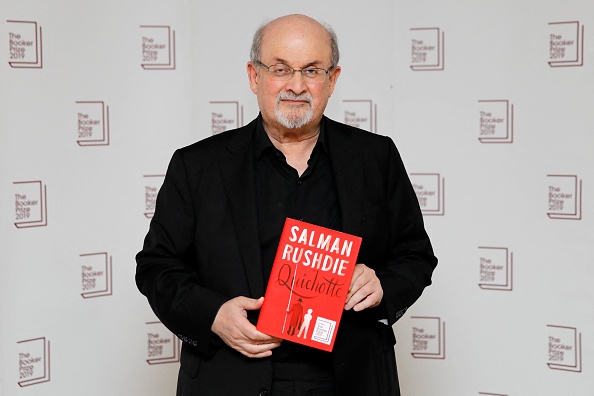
x: 252, y: 303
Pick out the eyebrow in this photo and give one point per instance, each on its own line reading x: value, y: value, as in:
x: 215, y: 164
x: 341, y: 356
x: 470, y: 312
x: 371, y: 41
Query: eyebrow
x: 312, y: 63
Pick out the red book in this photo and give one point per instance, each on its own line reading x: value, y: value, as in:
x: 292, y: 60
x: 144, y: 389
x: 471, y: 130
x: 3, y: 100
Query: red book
x: 308, y: 284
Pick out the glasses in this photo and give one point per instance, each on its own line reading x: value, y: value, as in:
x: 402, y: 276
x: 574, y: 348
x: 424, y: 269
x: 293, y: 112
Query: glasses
x: 282, y: 72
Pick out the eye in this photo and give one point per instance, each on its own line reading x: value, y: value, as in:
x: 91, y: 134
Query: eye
x: 280, y: 70
x: 312, y: 71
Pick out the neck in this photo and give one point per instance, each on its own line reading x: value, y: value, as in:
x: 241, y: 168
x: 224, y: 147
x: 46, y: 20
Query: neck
x: 281, y: 135
x: 296, y: 144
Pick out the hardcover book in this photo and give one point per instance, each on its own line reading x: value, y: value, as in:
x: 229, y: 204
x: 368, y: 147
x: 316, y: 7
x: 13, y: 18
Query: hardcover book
x: 308, y: 285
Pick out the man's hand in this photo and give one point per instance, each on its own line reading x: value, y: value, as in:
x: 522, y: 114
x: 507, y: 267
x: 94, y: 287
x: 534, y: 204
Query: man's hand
x: 365, y: 290
x: 235, y: 330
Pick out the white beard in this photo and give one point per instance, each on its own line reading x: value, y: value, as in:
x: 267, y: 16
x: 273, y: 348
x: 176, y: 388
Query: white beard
x: 297, y: 118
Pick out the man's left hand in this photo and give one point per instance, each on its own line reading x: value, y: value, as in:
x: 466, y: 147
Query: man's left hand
x: 365, y: 290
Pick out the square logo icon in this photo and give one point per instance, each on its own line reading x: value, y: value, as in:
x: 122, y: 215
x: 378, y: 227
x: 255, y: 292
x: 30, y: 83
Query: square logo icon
x: 158, y: 47
x: 566, y: 44
x: 564, y: 197
x: 565, y: 348
x: 162, y: 345
x: 225, y: 115
x: 427, y: 49
x: 34, y: 361
x: 25, y: 45
x: 30, y: 204
x: 428, y: 337
x: 96, y: 274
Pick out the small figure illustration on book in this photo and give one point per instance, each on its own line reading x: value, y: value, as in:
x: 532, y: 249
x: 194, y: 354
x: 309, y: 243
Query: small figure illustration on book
x: 305, y: 325
x: 296, y: 311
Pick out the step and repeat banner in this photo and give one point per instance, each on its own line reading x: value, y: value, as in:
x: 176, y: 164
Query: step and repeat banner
x: 490, y: 104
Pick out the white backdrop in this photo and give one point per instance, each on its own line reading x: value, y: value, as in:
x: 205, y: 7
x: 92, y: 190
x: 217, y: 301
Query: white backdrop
x: 490, y: 104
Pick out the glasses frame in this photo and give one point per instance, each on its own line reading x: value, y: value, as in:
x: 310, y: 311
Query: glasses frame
x: 306, y: 79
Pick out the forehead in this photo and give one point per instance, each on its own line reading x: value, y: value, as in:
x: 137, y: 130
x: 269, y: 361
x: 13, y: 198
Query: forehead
x: 296, y: 42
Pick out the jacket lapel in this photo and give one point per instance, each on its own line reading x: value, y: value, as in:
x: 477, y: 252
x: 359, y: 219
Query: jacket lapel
x: 237, y: 170
x: 347, y: 166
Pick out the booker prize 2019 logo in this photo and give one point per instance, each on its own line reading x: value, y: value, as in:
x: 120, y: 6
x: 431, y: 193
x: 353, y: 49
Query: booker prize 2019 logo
x: 361, y: 113
x: 24, y: 45
x: 225, y: 115
x: 565, y: 197
x: 34, y: 361
x: 427, y: 49
x: 566, y: 44
x: 428, y: 337
x: 496, y: 121
x: 30, y: 204
x: 162, y: 345
x: 565, y: 348
x: 430, y: 190
x: 158, y: 47
x: 96, y: 275
x: 152, y: 184
x: 496, y: 268
x: 92, y: 123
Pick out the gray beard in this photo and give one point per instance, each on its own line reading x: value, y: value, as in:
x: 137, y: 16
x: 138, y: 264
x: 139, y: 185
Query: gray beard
x: 293, y: 119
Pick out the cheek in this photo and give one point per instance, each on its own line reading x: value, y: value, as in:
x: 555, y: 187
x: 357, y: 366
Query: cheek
x: 320, y: 95
x: 272, y: 88
x: 320, y: 90
x: 267, y: 98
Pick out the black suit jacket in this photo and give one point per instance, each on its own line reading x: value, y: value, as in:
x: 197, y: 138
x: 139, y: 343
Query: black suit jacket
x: 202, y: 249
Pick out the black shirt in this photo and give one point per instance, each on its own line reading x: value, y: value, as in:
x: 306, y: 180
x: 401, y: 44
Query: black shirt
x: 282, y: 193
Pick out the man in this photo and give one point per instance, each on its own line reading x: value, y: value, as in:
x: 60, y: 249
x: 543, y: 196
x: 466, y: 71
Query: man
x: 296, y: 312
x: 220, y: 212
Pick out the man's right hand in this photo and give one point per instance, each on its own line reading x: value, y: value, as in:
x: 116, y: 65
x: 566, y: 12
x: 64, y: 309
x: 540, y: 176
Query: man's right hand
x: 233, y: 327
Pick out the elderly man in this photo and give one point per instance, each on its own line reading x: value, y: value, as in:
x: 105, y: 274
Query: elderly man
x: 209, y: 251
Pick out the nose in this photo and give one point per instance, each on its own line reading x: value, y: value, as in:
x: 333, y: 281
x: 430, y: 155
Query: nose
x: 296, y: 83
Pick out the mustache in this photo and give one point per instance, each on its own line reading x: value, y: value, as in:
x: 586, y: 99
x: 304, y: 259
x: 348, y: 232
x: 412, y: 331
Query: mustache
x: 291, y: 96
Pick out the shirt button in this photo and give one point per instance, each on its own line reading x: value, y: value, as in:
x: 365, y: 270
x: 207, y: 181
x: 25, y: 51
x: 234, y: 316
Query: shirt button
x: 299, y: 182
x: 264, y: 392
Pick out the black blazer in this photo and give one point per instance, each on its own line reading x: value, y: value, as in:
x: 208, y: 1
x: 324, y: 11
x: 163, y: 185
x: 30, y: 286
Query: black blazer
x: 202, y: 249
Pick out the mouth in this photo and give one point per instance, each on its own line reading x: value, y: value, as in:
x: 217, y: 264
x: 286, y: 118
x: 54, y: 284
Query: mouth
x: 294, y: 100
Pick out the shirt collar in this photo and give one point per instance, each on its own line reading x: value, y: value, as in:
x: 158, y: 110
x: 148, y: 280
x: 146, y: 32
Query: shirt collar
x: 262, y: 141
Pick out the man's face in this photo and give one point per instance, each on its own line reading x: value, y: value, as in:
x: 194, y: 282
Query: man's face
x: 295, y: 103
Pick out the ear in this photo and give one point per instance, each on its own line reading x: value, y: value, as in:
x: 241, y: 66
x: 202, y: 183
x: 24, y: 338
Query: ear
x: 334, y: 77
x: 252, y: 76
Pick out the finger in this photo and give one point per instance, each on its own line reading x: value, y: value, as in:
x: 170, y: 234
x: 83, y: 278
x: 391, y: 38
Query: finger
x: 371, y: 291
x: 257, y: 337
x: 249, y: 304
x: 248, y: 347
x: 257, y: 350
x: 370, y: 301
x: 359, y: 269
x: 355, y: 299
x: 258, y: 355
x: 357, y: 281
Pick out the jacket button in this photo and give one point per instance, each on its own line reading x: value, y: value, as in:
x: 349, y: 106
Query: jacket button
x: 263, y: 392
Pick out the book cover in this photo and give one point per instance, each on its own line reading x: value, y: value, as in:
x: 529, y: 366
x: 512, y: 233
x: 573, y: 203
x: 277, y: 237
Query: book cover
x: 308, y: 285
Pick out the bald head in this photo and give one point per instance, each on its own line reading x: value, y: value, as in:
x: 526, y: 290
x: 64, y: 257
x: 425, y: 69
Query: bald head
x: 295, y: 22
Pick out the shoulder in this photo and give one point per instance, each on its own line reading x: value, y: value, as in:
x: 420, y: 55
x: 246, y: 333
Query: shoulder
x: 358, y: 139
x: 212, y: 147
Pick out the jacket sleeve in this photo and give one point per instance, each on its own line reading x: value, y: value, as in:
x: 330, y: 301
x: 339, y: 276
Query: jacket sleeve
x: 165, y: 271
x: 409, y: 259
